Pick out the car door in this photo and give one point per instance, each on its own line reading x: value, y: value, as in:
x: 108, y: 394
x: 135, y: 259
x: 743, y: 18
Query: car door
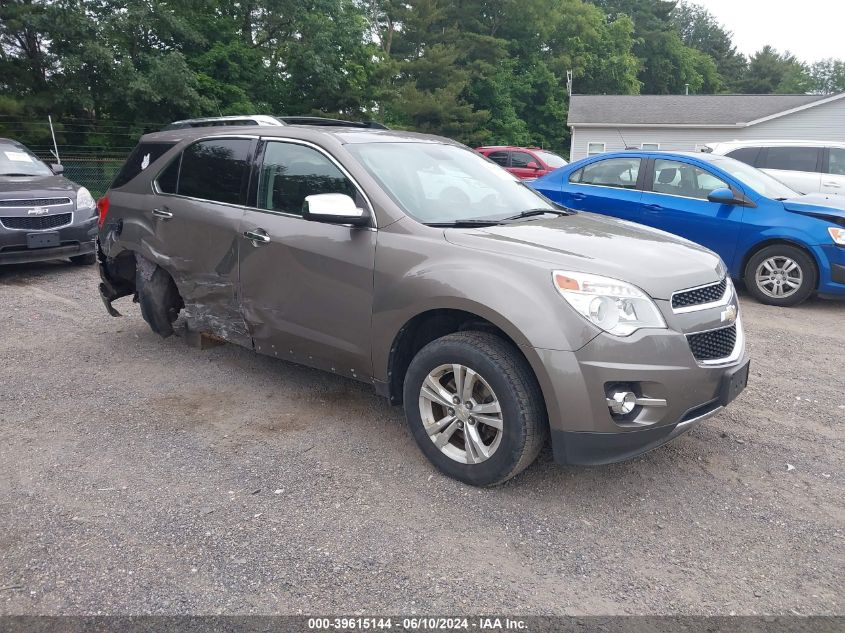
x: 196, y: 218
x: 796, y: 167
x: 833, y: 178
x: 520, y: 162
x: 306, y: 287
x: 675, y: 200
x: 609, y: 186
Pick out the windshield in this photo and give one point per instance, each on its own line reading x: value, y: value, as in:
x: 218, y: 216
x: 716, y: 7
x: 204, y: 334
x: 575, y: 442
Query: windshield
x: 437, y: 183
x: 759, y: 181
x: 552, y: 160
x: 16, y: 160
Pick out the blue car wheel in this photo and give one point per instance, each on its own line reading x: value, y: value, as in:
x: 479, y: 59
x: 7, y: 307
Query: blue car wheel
x: 781, y: 275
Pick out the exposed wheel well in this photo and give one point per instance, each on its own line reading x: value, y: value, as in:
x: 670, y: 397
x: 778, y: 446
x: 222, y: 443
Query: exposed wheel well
x: 422, y: 330
x: 758, y: 247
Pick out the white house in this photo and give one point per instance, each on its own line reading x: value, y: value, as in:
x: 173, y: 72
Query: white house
x: 603, y: 123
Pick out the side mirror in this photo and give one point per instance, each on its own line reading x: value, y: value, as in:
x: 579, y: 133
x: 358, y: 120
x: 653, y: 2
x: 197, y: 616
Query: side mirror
x: 533, y: 165
x: 723, y: 195
x: 57, y: 169
x: 334, y: 208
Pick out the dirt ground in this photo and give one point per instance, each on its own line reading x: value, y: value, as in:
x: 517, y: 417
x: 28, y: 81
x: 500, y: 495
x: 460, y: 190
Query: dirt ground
x: 138, y: 475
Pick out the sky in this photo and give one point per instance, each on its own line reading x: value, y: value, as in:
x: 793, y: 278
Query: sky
x: 811, y: 29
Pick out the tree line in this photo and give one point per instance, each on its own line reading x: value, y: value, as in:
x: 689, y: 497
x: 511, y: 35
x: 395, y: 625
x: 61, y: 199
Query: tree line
x: 480, y: 71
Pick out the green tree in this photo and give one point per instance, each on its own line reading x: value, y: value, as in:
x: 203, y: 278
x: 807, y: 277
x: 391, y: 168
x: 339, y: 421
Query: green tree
x: 828, y: 76
x: 700, y: 30
x: 667, y: 64
x: 772, y: 72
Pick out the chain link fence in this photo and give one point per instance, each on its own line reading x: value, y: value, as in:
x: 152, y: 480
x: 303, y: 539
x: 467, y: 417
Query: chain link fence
x: 91, y: 152
x: 93, y: 170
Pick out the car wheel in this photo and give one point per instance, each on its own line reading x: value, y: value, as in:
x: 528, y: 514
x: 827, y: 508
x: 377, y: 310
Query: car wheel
x: 159, y: 299
x: 89, y: 259
x: 781, y: 275
x: 475, y: 408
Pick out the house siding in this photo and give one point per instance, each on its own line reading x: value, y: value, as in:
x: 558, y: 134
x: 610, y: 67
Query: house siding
x: 819, y: 123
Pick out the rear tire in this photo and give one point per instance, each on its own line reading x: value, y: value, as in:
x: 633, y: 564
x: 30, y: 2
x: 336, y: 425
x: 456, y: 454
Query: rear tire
x: 159, y: 299
x: 497, y: 427
x: 89, y: 259
x: 781, y: 275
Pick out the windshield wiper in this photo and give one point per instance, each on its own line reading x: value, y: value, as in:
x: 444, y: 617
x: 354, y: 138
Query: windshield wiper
x: 530, y: 213
x: 465, y: 223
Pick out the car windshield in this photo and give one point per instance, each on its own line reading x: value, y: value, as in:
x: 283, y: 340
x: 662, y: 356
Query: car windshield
x: 437, y: 183
x: 16, y: 160
x: 552, y: 160
x: 759, y: 181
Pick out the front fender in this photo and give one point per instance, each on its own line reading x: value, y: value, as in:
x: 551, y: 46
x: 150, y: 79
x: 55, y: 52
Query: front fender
x: 415, y: 274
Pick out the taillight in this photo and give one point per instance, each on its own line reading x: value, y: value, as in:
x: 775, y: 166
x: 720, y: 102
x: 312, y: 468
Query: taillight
x: 103, y: 208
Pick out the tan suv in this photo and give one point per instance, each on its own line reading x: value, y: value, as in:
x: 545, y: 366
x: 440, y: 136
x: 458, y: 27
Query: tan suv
x: 413, y: 264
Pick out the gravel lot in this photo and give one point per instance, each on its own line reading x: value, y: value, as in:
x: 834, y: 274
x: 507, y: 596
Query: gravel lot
x: 138, y: 475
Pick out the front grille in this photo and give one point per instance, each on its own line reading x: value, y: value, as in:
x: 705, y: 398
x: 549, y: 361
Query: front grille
x: 36, y: 222
x: 699, y: 296
x: 713, y: 345
x: 34, y: 202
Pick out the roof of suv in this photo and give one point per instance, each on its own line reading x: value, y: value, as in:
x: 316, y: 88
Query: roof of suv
x: 342, y: 135
x: 268, y: 120
x: 773, y: 143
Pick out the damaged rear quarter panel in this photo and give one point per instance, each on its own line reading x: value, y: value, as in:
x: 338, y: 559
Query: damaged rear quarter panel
x: 198, y: 247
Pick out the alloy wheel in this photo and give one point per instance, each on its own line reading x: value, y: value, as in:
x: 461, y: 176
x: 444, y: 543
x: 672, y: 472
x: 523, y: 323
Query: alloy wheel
x: 461, y: 414
x: 779, y: 277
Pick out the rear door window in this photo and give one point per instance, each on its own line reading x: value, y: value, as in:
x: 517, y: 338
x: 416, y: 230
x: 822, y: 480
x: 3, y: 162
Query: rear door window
x: 613, y: 172
x: 215, y: 169
x: 144, y: 155
x: 791, y: 158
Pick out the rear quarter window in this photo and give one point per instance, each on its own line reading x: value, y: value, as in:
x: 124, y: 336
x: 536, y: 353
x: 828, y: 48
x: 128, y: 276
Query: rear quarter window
x: 144, y: 155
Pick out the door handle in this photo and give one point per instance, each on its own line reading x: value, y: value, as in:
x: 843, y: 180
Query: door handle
x: 578, y: 196
x: 163, y: 213
x: 257, y: 236
x: 835, y: 185
x: 653, y: 207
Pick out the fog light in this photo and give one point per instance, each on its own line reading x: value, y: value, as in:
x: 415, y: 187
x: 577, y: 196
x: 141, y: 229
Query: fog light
x: 622, y: 402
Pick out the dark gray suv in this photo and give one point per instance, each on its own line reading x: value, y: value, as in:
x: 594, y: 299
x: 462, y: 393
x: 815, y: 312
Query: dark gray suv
x: 412, y: 263
x: 42, y: 214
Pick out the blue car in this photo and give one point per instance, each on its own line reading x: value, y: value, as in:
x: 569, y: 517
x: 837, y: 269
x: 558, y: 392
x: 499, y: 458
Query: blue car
x: 784, y: 245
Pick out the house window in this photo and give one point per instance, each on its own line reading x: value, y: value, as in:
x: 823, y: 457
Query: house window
x: 650, y: 146
x: 594, y: 148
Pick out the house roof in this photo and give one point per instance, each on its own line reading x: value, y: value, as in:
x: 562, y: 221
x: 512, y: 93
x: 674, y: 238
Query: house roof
x: 683, y: 110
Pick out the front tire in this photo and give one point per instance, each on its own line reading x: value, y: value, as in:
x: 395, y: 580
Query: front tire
x: 781, y: 275
x: 474, y: 407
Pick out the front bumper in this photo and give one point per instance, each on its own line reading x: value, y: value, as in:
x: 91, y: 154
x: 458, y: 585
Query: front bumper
x: 678, y: 391
x: 832, y: 271
x: 74, y: 239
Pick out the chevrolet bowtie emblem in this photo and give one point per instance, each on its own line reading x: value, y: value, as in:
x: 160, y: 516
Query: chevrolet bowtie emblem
x: 729, y: 314
x: 37, y: 211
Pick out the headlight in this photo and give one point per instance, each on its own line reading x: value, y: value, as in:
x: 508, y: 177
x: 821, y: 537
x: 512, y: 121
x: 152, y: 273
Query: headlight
x: 84, y: 199
x: 838, y: 235
x: 615, y: 306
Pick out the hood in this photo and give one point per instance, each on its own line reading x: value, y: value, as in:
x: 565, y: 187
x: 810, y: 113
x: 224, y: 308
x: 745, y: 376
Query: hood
x: 656, y: 261
x: 12, y: 187
x: 818, y: 205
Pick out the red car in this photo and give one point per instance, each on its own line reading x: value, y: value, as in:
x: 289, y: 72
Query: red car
x: 526, y: 163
